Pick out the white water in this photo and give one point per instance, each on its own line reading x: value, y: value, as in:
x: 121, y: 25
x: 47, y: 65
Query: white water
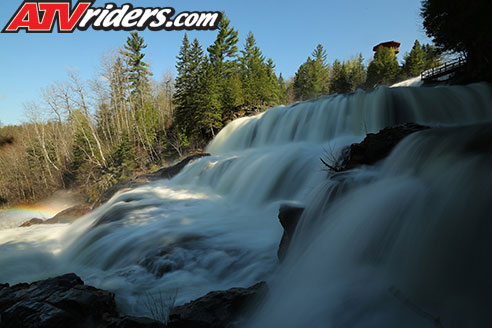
x: 415, y: 221
x: 412, y: 82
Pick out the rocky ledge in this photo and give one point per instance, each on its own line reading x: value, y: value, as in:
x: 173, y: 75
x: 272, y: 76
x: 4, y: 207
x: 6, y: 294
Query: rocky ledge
x: 63, y: 302
x: 66, y: 216
x: 218, y: 309
x: 374, y: 147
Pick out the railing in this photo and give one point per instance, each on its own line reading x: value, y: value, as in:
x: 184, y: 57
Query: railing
x: 447, y: 68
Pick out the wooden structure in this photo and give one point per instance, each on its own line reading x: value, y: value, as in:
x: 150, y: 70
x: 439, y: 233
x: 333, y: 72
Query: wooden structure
x: 395, y: 45
x: 451, y: 67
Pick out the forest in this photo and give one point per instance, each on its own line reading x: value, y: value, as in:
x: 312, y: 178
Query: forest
x: 90, y: 135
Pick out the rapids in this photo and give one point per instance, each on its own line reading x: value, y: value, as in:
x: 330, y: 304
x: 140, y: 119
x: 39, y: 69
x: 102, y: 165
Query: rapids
x: 393, y: 245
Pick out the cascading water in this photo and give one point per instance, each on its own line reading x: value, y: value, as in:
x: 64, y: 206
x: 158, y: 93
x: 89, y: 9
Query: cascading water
x: 397, y: 244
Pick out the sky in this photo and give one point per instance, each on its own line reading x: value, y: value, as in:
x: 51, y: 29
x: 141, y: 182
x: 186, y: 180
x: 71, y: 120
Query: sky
x: 285, y: 30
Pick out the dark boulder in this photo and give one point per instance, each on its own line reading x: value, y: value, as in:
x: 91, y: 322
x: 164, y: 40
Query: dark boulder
x: 63, y: 301
x: 288, y: 216
x: 171, y: 171
x: 218, y: 309
x: 375, y: 146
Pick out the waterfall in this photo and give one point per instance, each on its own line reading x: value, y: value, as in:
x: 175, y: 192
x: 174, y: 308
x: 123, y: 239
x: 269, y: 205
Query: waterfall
x: 395, y: 244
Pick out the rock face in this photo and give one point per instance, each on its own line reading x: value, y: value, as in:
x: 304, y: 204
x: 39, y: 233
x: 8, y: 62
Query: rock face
x: 66, y: 216
x: 163, y: 173
x: 70, y: 214
x: 171, y: 171
x: 377, y: 146
x: 63, y: 301
x: 288, y: 216
x: 219, y: 309
x: 32, y: 222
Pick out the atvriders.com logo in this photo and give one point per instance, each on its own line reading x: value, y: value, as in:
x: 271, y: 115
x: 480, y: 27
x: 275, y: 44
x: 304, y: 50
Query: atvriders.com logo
x: 42, y: 16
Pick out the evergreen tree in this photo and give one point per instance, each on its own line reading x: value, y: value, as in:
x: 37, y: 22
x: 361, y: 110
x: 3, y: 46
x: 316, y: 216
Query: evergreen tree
x: 255, y: 74
x: 224, y: 67
x: 339, y: 82
x: 312, y: 77
x: 383, y: 69
x: 223, y: 51
x: 432, y: 56
x: 186, y: 82
x: 357, y: 72
x: 462, y: 27
x: 138, y: 72
x: 283, y: 90
x: 198, y: 112
x: 271, y: 92
x: 207, y: 110
x: 232, y: 92
x: 414, y: 61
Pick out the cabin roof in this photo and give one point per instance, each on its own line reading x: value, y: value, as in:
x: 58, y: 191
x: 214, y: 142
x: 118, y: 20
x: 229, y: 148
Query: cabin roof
x: 389, y: 44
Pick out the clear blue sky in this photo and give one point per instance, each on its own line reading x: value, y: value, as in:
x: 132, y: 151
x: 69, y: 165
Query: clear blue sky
x: 286, y: 31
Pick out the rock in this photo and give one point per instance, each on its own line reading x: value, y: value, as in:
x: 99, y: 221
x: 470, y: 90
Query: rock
x: 218, y: 309
x: 32, y: 222
x: 376, y: 146
x: 70, y: 214
x: 66, y: 216
x: 172, y: 171
x: 163, y: 173
x: 63, y: 301
x: 135, y: 322
x: 288, y: 216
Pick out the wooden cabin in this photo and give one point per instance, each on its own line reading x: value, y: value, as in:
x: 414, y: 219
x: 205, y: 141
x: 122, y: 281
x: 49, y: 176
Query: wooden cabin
x: 395, y: 45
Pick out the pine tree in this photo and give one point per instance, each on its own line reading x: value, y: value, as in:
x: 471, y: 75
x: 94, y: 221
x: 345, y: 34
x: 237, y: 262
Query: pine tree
x: 339, y: 82
x: 138, y: 71
x: 223, y: 67
x: 357, y: 72
x: 383, y: 69
x: 207, y: 109
x: 223, y: 52
x: 414, y: 61
x: 254, y: 74
x: 312, y: 77
x: 232, y: 92
x: 462, y: 27
x: 185, y: 83
x: 283, y: 90
x: 432, y: 56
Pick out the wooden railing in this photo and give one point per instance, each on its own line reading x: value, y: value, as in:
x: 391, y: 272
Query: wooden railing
x: 447, y: 68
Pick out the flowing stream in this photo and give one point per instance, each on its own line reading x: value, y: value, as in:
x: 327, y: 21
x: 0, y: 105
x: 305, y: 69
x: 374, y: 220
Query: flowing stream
x: 398, y: 244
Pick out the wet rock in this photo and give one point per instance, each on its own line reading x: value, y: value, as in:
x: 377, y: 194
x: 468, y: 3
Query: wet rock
x: 70, y: 214
x: 32, y: 222
x: 163, y: 173
x: 63, y: 301
x: 66, y: 216
x: 288, y: 216
x: 218, y: 309
x: 377, y: 146
x: 135, y: 322
x: 171, y: 171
